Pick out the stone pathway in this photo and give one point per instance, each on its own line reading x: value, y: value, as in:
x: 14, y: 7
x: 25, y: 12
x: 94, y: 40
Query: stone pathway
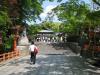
x: 51, y: 60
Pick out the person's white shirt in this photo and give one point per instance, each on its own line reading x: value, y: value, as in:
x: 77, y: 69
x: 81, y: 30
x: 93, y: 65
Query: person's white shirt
x: 32, y: 47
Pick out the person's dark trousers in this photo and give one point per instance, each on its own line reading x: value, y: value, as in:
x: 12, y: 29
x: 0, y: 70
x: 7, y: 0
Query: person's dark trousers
x: 33, y: 57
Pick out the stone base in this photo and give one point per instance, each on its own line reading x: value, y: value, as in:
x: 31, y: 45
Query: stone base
x: 23, y: 41
x: 24, y: 50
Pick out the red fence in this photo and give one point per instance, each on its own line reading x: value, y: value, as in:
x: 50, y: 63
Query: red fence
x: 9, y: 55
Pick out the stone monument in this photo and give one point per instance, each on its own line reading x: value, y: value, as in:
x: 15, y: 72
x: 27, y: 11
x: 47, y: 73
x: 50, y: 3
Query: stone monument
x: 23, y: 40
x: 23, y: 43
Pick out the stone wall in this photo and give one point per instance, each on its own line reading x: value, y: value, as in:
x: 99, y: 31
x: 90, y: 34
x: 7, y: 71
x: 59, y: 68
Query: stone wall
x: 75, y: 47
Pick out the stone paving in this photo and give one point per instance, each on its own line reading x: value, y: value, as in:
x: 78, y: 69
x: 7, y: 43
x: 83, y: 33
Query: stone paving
x: 51, y: 60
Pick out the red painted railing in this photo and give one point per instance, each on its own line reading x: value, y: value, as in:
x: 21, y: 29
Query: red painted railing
x: 9, y: 55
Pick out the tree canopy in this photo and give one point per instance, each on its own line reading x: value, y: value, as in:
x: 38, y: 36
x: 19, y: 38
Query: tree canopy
x: 31, y: 9
x: 97, y: 2
x: 73, y: 13
x: 4, y: 17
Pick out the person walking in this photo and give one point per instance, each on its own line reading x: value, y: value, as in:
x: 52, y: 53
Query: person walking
x: 33, y: 52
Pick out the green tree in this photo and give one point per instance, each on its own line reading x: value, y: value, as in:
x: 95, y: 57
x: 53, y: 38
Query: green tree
x: 33, y: 30
x: 31, y: 9
x: 73, y: 13
x: 4, y: 17
x: 97, y: 2
x: 51, y: 25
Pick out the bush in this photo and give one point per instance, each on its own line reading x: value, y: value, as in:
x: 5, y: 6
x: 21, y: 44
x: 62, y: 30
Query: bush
x: 7, y: 42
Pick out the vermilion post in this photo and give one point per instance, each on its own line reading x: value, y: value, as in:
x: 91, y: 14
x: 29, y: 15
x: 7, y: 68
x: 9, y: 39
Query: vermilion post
x: 14, y: 44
